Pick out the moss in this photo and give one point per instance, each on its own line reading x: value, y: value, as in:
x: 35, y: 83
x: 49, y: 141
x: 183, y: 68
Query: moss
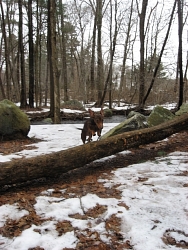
x: 137, y: 121
x: 183, y: 109
x: 159, y: 115
x: 12, y: 119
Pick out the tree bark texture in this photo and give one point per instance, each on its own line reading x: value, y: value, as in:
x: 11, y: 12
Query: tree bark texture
x: 100, y: 72
x: 142, y: 52
x: 31, y: 55
x: 180, y: 66
x: 54, y: 164
x: 23, y: 99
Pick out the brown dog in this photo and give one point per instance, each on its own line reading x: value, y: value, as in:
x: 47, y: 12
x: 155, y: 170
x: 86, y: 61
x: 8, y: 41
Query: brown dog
x: 92, y: 125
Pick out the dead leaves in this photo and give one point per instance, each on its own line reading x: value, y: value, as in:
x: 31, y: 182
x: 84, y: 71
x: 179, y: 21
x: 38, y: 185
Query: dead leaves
x: 169, y: 239
x: 13, y: 228
x: 96, y: 211
x: 63, y: 227
x: 13, y: 146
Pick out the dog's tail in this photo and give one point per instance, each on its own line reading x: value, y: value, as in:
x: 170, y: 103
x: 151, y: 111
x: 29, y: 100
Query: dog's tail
x: 79, y: 128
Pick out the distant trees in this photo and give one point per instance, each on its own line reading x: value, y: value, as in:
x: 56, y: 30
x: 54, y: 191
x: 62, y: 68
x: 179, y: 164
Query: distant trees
x: 89, y: 50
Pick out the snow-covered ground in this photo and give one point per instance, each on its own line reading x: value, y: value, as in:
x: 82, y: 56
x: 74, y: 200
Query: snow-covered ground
x: 155, y: 206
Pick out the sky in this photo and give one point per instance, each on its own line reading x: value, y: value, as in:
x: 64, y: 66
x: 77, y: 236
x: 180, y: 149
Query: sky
x: 154, y: 195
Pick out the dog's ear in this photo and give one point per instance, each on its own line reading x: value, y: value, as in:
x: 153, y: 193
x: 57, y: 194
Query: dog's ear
x: 91, y: 112
x: 102, y: 112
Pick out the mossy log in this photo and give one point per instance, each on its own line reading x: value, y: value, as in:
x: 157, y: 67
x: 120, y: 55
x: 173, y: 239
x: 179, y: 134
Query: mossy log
x: 54, y: 164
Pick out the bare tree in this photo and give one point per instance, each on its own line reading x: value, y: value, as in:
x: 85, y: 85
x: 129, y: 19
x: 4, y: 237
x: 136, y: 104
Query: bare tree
x: 100, y: 73
x: 31, y: 55
x: 6, y: 53
x: 54, y: 73
x: 180, y: 66
x: 142, y: 17
x: 160, y: 56
x: 113, y: 40
x: 126, y: 49
x: 64, y: 49
x: 92, y: 67
x: 23, y: 98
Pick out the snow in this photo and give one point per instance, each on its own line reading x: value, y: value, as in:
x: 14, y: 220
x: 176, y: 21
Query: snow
x: 55, y: 138
x: 155, y: 205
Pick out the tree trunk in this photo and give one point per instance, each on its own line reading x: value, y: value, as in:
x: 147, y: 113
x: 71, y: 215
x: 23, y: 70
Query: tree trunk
x: 125, y: 53
x: 112, y: 52
x: 142, y: 52
x: 100, y: 72
x: 7, y: 71
x: 52, y: 57
x: 180, y: 66
x: 92, y: 69
x: 23, y: 98
x: 64, y: 51
x: 31, y: 55
x: 54, y: 164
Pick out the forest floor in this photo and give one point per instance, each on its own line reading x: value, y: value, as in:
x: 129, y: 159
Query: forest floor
x: 85, y: 177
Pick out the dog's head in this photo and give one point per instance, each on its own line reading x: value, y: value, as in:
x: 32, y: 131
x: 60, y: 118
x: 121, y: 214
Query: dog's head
x: 97, y: 117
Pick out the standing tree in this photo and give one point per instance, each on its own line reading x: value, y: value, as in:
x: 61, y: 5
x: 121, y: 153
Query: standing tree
x: 142, y: 17
x: 31, y: 55
x: 23, y: 98
x: 126, y: 49
x: 180, y: 67
x: 92, y: 67
x: 100, y: 73
x: 108, y: 81
x: 7, y: 69
x: 64, y: 50
x: 160, y: 56
x: 52, y: 57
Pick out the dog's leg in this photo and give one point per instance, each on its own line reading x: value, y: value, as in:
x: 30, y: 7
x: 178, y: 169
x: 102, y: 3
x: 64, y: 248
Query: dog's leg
x: 83, y: 136
x: 99, y: 134
x: 90, y: 137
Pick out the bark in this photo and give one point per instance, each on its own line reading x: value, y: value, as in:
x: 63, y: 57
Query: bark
x: 7, y: 71
x: 23, y: 99
x: 52, y: 57
x: 142, y: 51
x: 2, y: 91
x: 180, y: 66
x: 54, y: 164
x: 99, y: 53
x: 31, y: 55
x: 49, y: 55
x: 64, y: 56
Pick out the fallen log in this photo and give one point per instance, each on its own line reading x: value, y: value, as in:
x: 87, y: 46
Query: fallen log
x: 54, y: 164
